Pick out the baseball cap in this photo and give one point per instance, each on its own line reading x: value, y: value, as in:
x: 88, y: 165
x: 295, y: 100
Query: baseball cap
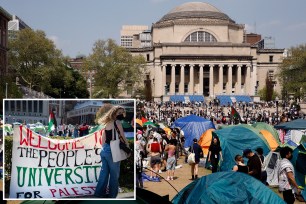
x: 246, y: 152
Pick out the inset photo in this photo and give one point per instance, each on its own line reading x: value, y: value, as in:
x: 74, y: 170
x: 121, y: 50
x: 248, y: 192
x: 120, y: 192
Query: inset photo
x: 68, y: 149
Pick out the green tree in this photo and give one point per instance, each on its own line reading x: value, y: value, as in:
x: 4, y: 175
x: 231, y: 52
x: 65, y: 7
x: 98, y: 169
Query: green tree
x: 114, y: 67
x: 292, y: 73
x: 31, y: 54
x: 40, y: 66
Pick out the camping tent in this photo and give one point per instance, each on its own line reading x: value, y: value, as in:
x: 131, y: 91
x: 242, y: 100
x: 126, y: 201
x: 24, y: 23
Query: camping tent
x: 298, y: 124
x: 234, y: 139
x: 270, y: 139
x: 265, y: 126
x: 299, y: 161
x: 271, y: 163
x: 193, y: 127
x: 205, y: 140
x: 227, y: 187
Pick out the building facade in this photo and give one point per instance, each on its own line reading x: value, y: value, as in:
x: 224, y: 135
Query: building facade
x: 33, y: 111
x: 199, y: 50
x: 15, y: 25
x: 5, y: 17
x: 132, y: 36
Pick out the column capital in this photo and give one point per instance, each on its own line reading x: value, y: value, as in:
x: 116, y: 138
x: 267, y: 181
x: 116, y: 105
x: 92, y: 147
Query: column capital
x: 182, y: 65
x: 230, y: 66
x: 239, y: 65
x: 173, y: 65
x: 221, y: 65
x: 211, y: 65
x: 191, y: 65
x: 201, y: 65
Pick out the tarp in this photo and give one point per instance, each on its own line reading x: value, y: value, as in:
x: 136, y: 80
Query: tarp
x: 234, y: 139
x: 298, y: 124
x: 271, y: 163
x: 205, y: 140
x: 227, y: 187
x: 193, y: 127
x: 266, y: 126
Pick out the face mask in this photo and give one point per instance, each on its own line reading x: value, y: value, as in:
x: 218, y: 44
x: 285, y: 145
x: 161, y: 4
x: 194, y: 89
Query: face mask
x: 120, y: 117
x: 290, y: 157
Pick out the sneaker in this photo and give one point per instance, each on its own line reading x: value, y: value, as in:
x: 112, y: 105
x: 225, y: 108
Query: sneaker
x: 168, y: 178
x: 160, y: 171
x: 171, y: 178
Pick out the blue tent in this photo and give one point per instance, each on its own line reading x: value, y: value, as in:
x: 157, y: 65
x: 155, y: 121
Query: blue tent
x: 234, y: 139
x: 193, y: 127
x: 298, y: 124
x: 227, y: 187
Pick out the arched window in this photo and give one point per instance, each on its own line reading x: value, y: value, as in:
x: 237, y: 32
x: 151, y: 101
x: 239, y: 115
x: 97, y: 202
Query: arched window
x: 200, y: 36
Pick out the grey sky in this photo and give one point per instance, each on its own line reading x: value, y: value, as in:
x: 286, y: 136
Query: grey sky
x: 75, y: 25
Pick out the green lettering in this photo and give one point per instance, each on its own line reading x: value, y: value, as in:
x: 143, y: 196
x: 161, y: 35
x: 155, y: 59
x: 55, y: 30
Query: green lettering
x: 78, y: 175
x: 23, y: 177
x: 32, y: 175
x: 87, y: 174
x: 68, y: 173
x: 48, y: 177
x: 56, y: 174
x: 39, y: 178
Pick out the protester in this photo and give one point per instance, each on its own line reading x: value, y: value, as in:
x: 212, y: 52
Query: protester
x: 139, y: 146
x: 170, y: 148
x: 253, y: 163
x: 110, y: 170
x: 240, y: 166
x: 215, y: 154
x: 155, y: 150
x: 264, y: 174
x: 197, y: 150
x: 286, y: 176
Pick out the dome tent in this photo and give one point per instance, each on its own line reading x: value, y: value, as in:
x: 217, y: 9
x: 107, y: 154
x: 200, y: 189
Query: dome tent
x: 264, y: 126
x: 214, y: 188
x: 234, y: 139
x: 193, y: 127
x: 205, y: 140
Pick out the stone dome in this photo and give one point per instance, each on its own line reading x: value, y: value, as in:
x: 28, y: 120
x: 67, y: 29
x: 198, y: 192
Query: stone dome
x: 195, y: 10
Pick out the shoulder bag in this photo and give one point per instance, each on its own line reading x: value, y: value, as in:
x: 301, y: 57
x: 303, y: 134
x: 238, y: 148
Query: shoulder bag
x: 117, y: 153
x: 122, y: 144
x: 191, y: 156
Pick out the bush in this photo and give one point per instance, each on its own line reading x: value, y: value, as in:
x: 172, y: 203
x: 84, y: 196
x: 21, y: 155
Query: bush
x: 126, y: 178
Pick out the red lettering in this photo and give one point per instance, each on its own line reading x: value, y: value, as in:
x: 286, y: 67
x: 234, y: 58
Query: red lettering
x: 75, y: 191
x: 62, y: 192
x: 32, y: 138
x: 23, y: 140
x: 49, y: 145
x: 53, y: 191
x: 78, y: 147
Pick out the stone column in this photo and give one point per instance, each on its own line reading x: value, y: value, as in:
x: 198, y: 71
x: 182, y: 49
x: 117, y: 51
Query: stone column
x: 238, y: 86
x: 164, y: 79
x: 182, y: 82
x: 158, y: 83
x: 191, y: 79
x: 211, y: 80
x: 254, y: 78
x: 230, y: 79
x: 201, y: 80
x: 172, y: 83
x: 221, y: 78
x: 247, y: 83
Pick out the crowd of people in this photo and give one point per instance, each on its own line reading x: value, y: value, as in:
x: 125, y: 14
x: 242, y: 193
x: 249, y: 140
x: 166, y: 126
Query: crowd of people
x: 161, y: 150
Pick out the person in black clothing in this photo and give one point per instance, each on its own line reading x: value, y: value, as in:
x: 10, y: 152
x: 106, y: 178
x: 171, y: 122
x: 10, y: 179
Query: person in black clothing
x: 254, y: 163
x: 196, y: 148
x: 214, y: 154
x: 240, y: 166
x: 264, y: 175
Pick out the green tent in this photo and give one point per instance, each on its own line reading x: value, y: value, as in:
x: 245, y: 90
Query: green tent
x: 234, y: 139
x: 227, y: 187
x: 264, y: 126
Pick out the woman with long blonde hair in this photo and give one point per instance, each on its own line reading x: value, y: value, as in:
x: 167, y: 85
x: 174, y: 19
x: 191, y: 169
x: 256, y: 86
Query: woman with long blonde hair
x: 110, y: 171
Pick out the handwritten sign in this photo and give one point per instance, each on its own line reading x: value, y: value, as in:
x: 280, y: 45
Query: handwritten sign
x: 48, y: 168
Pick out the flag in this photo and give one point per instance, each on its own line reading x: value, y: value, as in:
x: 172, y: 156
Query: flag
x: 52, y: 122
x: 143, y: 119
x: 235, y: 114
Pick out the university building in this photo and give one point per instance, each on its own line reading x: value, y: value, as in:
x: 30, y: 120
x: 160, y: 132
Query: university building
x: 198, y: 51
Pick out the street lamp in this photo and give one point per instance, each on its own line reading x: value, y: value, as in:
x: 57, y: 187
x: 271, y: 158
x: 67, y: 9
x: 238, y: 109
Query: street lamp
x: 276, y: 102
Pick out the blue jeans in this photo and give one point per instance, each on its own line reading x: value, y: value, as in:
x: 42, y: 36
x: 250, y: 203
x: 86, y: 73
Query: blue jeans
x: 109, y: 174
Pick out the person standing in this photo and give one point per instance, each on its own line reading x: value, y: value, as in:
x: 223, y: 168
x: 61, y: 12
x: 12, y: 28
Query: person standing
x: 240, y: 166
x: 254, y: 163
x: 264, y: 174
x: 286, y: 179
x: 196, y: 148
x: 214, y: 154
x: 110, y: 171
x: 170, y: 148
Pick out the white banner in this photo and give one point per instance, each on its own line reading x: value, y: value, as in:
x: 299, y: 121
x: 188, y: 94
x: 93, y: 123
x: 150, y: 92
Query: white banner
x: 48, y: 168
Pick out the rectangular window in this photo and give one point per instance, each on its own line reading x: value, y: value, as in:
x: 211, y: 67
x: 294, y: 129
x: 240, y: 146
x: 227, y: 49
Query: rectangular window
x: 12, y: 106
x: 18, y: 106
x: 271, y: 58
x: 40, y: 107
x: 30, y: 106
x: 176, y: 88
x: 24, y: 106
x: 35, y: 107
x: 148, y: 57
x: 185, y: 88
